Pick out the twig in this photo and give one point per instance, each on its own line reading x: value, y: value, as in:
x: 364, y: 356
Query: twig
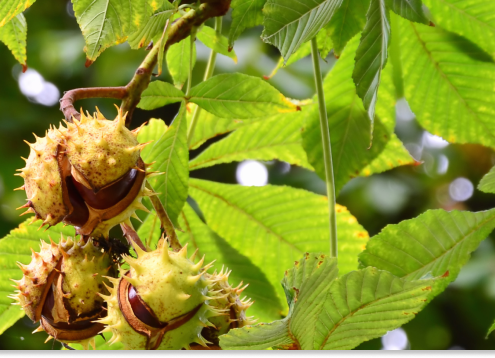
x: 165, y: 220
x: 131, y: 94
x: 132, y: 236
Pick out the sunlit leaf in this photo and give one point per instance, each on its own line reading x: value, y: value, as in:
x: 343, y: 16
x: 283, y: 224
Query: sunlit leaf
x: 209, y: 126
x: 278, y: 137
x: 239, y: 96
x: 159, y: 94
x: 105, y: 23
x: 442, y: 81
x: 14, y: 34
x: 436, y: 243
x: 252, y: 217
x: 12, y: 8
x: 178, y: 61
x: 198, y: 235
x: 290, y: 23
x: 219, y: 44
x: 14, y: 247
x: 153, y: 28
x: 170, y: 152
x: 348, y: 21
x: 334, y: 313
x: 472, y: 19
x: 245, y: 14
x: 371, y: 55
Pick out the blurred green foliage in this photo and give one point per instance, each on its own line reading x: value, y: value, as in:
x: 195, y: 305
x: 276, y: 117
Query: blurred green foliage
x: 457, y: 319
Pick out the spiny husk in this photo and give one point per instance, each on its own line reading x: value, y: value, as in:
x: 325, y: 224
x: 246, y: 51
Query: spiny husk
x: 174, y: 289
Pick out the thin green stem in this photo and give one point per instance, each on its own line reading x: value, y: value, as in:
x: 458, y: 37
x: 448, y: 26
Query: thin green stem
x: 395, y: 58
x: 210, y: 66
x: 327, y: 148
x: 192, y: 39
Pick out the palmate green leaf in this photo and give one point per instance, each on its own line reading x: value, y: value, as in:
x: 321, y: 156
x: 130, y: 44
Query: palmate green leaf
x: 14, y: 247
x: 153, y: 28
x: 371, y: 55
x: 199, y: 236
x: 442, y: 81
x: 250, y: 218
x: 150, y: 231
x: 327, y: 312
x: 349, y: 128
x: 303, y: 51
x: 171, y: 154
x: 363, y: 305
x: 290, y: 23
x: 159, y: 94
x: 151, y: 132
x: 219, y: 44
x: 348, y: 21
x: 487, y: 183
x: 239, y: 96
x: 178, y: 61
x: 278, y: 137
x: 309, y: 278
x: 210, y: 126
x: 472, y: 19
x: 13, y: 35
x: 105, y: 23
x: 12, y: 8
x: 435, y: 243
x: 409, y: 9
x: 245, y: 14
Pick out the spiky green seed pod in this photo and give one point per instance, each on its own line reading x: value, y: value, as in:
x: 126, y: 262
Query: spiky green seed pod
x: 59, y: 288
x: 229, y: 299
x: 89, y: 175
x: 162, y: 302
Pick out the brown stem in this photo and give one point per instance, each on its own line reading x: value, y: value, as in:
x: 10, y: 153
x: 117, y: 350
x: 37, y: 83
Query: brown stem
x: 165, y: 220
x: 131, y: 94
x: 132, y: 236
x: 67, y: 101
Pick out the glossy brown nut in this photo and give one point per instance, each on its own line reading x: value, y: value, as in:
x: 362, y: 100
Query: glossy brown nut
x: 141, y: 309
x: 109, y: 195
x: 80, y: 213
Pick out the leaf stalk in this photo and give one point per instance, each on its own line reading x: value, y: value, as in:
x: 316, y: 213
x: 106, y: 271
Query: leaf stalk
x: 327, y: 148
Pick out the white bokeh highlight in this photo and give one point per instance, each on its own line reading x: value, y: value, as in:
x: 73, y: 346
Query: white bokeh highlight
x: 461, y: 189
x: 251, y: 173
x: 395, y: 340
x: 434, y: 141
x: 33, y: 86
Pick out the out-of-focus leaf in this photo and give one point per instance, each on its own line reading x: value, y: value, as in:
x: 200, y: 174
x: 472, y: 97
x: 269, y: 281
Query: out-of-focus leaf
x: 487, y: 183
x: 15, y: 247
x: 159, y: 94
x: 245, y: 14
x: 105, y: 23
x: 171, y: 154
x: 237, y: 213
x: 436, y: 243
x: 198, y: 235
x: 178, y: 61
x: 290, y: 23
x: 278, y: 137
x: 11, y: 8
x: 410, y: 9
x: 239, y: 96
x: 220, y: 44
x: 472, y: 19
x: 443, y: 81
x: 14, y: 34
x: 371, y: 55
